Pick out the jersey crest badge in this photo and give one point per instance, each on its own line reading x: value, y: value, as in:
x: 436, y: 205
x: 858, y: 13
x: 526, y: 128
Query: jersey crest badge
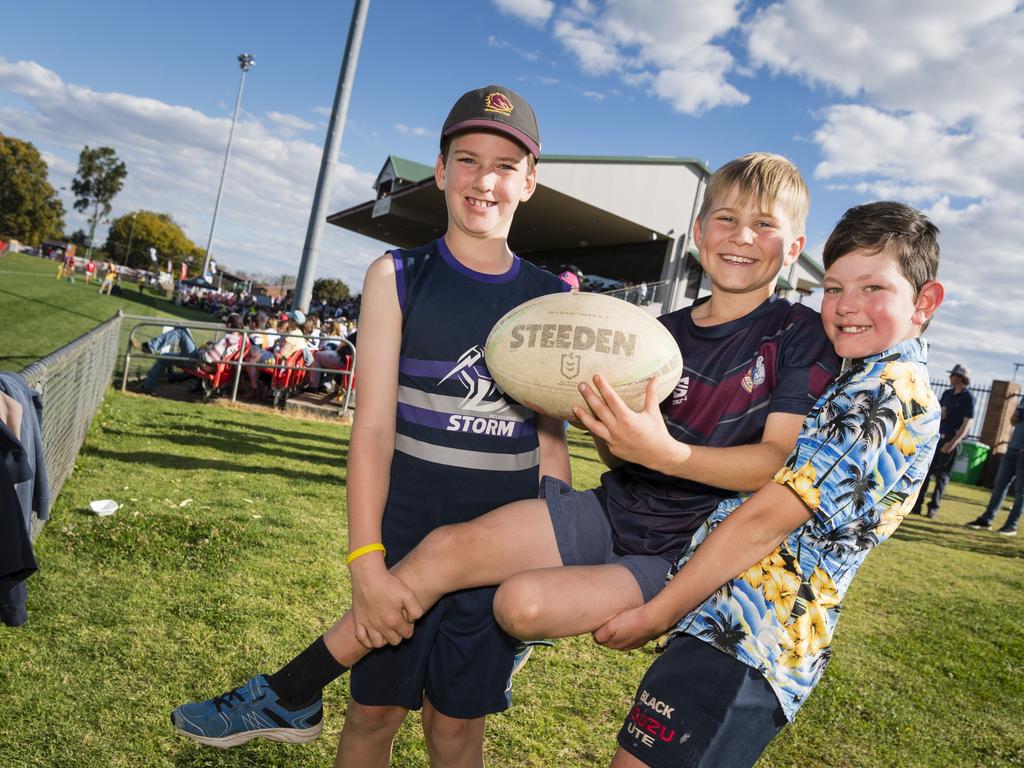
x: 755, y: 376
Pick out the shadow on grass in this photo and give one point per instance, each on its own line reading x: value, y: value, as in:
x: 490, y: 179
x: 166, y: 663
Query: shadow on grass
x: 955, y: 536
x: 218, y: 424
x: 233, y: 442
x: 178, y: 462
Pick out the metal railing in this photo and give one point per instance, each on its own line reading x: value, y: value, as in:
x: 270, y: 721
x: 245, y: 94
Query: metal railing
x: 72, y: 382
x: 642, y: 295
x: 142, y: 321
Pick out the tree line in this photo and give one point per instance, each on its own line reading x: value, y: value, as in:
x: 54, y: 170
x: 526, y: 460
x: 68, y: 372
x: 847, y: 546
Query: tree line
x: 31, y: 211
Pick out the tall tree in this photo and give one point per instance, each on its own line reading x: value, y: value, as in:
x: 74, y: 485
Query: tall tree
x: 29, y: 207
x: 100, y: 177
x: 132, y: 235
x: 330, y: 291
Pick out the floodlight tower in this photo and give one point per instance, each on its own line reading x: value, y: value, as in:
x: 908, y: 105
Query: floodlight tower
x: 246, y: 62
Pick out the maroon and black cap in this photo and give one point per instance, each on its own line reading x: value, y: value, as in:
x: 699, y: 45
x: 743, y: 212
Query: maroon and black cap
x: 495, y: 108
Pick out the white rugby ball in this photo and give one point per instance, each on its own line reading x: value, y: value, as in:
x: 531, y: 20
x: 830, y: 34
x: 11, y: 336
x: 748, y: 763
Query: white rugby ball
x: 540, y: 351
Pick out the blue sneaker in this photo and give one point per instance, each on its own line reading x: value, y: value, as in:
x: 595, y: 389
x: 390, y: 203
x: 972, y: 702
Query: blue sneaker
x: 251, y: 711
x: 523, y: 650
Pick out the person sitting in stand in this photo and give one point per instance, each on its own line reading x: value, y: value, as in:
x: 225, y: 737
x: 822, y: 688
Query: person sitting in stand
x: 180, y: 338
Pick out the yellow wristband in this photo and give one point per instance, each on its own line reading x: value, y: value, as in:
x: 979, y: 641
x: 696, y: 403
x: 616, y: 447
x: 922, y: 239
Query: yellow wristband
x: 353, y: 556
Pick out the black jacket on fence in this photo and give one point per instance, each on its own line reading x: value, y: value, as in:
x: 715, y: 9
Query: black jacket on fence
x: 24, y: 489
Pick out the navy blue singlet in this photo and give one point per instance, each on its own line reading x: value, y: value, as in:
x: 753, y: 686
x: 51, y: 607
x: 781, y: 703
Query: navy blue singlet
x: 461, y: 449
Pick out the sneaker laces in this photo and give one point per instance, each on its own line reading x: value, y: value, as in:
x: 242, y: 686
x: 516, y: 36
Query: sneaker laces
x: 224, y: 700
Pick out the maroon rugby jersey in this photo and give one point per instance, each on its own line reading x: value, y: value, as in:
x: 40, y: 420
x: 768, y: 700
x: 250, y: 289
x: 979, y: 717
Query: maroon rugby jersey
x: 775, y: 359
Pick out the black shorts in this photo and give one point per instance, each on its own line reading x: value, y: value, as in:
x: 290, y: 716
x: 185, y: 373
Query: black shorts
x: 698, y: 707
x: 584, y: 535
x: 458, y: 656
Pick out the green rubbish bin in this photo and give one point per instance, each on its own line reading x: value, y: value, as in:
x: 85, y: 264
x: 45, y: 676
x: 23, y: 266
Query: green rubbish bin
x: 968, y: 465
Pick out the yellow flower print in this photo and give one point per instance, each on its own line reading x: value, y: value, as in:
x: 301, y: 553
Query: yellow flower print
x: 902, y: 439
x: 754, y: 576
x: 809, y: 633
x: 791, y: 656
x: 826, y: 593
x: 802, y: 482
x: 784, y: 475
x: 909, y: 386
x: 780, y: 589
x: 893, y: 515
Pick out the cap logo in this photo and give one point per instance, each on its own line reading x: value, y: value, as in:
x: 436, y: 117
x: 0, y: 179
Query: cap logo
x: 498, y: 102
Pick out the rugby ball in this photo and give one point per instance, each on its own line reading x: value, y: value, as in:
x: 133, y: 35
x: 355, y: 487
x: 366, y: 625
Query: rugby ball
x: 540, y: 351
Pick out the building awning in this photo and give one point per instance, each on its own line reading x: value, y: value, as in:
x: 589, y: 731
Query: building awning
x: 549, y: 221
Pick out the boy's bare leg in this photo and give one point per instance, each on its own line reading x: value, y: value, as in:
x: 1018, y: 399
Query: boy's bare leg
x: 563, y: 602
x: 453, y: 742
x: 513, y: 539
x: 367, y: 736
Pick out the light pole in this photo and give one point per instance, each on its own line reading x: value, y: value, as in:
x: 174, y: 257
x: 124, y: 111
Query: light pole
x: 131, y: 234
x: 246, y: 62
x: 311, y: 249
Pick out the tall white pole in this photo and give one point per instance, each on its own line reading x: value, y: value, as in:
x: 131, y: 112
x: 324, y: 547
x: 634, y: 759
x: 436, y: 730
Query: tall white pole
x: 335, y: 129
x: 245, y: 61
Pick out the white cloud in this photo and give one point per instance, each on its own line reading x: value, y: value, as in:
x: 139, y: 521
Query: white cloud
x: 497, y: 42
x: 952, y: 59
x: 174, y: 156
x: 535, y: 12
x: 409, y: 130
x: 664, y: 46
x: 939, y: 123
x: 290, y: 125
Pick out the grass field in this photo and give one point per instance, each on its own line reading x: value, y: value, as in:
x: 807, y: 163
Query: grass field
x: 41, y: 313
x: 225, y: 559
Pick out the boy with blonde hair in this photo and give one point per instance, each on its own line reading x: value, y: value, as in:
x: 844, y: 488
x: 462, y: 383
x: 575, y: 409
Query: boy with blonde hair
x: 755, y: 598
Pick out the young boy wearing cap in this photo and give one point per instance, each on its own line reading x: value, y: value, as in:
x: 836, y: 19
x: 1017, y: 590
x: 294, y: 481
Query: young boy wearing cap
x: 744, y: 651
x: 433, y: 442
x: 754, y: 366
x: 957, y: 404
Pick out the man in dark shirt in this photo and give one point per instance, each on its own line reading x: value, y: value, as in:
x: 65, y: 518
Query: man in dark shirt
x: 957, y: 416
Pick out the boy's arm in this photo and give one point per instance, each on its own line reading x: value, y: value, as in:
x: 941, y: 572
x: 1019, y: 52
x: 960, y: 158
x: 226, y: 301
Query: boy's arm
x: 554, y: 452
x: 382, y: 606
x: 748, y: 535
x: 644, y: 439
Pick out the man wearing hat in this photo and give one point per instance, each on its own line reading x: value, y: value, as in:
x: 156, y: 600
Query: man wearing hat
x: 957, y: 416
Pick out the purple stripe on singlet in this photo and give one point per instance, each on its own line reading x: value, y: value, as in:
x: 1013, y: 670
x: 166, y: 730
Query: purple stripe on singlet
x: 460, y: 422
x: 455, y: 264
x: 399, y: 279
x: 437, y: 369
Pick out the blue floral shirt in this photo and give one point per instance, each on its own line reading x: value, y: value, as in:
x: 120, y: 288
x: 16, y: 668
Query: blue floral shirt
x: 858, y: 465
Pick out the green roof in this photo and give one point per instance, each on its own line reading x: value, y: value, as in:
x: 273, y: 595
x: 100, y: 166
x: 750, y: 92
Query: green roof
x: 410, y: 170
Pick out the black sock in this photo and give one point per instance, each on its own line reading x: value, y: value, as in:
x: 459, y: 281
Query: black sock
x: 301, y: 681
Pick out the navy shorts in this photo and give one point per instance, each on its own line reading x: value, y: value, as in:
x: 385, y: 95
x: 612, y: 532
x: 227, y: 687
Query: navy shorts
x: 584, y: 535
x: 698, y: 707
x: 458, y: 656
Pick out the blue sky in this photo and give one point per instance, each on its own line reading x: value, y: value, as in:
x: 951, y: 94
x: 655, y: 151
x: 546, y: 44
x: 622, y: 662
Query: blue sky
x: 919, y: 103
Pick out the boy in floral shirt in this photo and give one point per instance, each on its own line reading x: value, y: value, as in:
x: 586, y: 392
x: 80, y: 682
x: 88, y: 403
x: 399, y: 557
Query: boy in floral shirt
x: 745, y: 650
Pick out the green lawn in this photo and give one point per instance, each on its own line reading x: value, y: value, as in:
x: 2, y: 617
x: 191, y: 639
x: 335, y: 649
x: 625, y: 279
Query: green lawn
x: 226, y: 558
x: 41, y: 313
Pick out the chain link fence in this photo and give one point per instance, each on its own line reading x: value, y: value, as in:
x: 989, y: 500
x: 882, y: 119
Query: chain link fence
x: 72, y: 382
